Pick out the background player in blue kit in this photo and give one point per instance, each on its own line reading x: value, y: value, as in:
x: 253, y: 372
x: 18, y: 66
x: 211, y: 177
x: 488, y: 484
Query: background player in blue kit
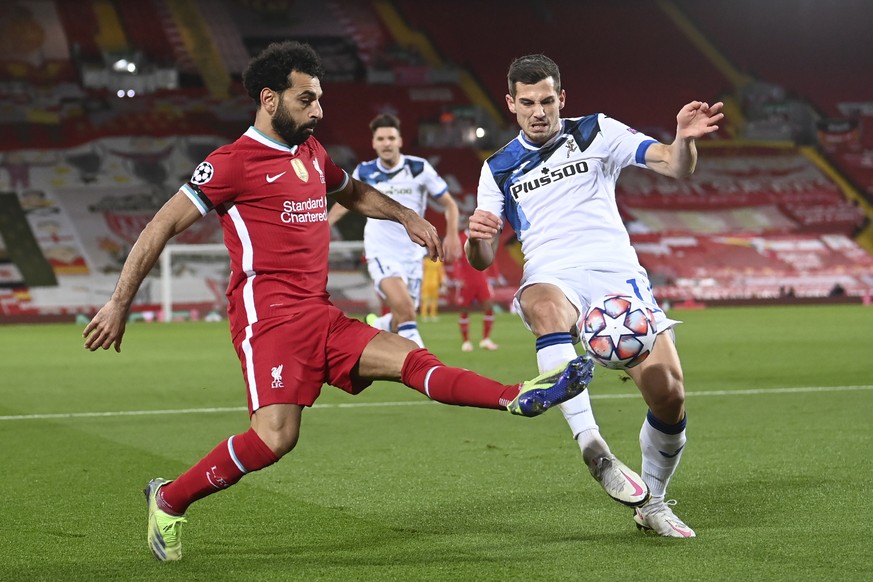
x: 394, y: 263
x: 555, y: 184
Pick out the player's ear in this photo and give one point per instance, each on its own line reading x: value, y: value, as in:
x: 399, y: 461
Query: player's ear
x: 269, y: 100
x: 510, y: 102
x: 562, y: 98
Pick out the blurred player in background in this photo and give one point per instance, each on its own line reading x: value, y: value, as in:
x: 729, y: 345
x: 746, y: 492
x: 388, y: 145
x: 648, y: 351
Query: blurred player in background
x: 269, y: 190
x: 393, y: 261
x: 473, y: 287
x: 432, y: 282
x: 555, y: 184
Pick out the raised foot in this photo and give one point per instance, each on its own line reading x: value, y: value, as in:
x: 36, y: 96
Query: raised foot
x: 553, y: 387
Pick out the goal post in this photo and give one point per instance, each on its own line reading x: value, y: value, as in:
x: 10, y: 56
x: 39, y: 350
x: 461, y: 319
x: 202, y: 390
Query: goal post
x: 344, y: 260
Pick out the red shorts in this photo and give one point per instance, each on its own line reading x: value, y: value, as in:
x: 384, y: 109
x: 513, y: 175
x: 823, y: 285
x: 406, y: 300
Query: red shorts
x: 287, y: 359
x: 474, y: 289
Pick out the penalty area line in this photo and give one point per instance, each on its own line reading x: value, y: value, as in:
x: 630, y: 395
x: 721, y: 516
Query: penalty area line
x: 750, y: 392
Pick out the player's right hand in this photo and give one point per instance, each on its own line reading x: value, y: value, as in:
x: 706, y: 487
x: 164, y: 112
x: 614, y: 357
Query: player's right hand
x: 423, y: 233
x: 106, y: 328
x: 484, y: 225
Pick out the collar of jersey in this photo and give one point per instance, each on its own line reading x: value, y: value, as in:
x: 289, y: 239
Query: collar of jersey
x: 259, y: 137
x: 532, y: 146
x: 393, y: 170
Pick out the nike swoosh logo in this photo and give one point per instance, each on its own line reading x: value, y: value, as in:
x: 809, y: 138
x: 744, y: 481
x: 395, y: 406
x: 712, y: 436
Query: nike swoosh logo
x: 685, y: 533
x: 637, y: 489
x: 271, y: 179
x: 669, y: 456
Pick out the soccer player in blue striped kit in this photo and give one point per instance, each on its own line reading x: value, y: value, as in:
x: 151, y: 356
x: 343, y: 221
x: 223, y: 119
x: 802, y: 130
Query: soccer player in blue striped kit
x: 393, y: 261
x: 555, y: 184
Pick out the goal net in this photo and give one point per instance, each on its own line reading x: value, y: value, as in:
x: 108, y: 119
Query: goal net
x: 193, y: 280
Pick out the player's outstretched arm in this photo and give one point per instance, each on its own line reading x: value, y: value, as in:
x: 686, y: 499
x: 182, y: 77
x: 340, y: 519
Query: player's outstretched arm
x: 481, y: 245
x: 107, y: 327
x: 678, y: 160
x: 364, y: 199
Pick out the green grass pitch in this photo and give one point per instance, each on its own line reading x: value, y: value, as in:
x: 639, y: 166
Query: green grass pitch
x: 777, y: 476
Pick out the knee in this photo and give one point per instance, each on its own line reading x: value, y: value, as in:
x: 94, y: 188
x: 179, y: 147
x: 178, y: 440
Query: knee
x: 546, y: 317
x: 280, y: 440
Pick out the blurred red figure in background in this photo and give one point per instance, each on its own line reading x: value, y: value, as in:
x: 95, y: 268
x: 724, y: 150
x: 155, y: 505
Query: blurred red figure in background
x: 472, y: 286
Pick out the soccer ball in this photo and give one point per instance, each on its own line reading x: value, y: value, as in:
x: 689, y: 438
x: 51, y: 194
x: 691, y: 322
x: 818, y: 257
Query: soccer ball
x: 619, y: 331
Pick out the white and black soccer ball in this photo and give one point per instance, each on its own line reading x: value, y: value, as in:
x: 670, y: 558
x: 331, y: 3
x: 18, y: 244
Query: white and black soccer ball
x: 619, y: 331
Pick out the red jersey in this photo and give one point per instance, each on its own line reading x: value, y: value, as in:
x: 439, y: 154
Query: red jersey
x: 463, y: 270
x: 271, y: 199
x: 471, y: 284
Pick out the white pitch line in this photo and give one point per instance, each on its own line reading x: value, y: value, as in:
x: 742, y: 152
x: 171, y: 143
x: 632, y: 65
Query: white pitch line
x: 195, y: 410
x: 751, y: 392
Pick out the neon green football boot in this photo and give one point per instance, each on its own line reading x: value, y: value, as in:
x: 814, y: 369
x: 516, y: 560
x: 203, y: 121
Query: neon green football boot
x: 165, y: 540
x: 553, y: 387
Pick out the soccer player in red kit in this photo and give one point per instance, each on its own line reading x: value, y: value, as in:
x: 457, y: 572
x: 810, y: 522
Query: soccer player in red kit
x: 269, y: 190
x: 472, y: 286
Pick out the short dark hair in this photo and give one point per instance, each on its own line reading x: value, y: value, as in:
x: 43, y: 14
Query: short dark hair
x: 273, y: 66
x: 385, y: 120
x: 530, y: 70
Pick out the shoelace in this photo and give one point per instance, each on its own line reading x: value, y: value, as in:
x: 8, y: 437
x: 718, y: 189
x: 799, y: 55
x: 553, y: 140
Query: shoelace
x: 654, y: 507
x: 599, y: 473
x: 170, y: 531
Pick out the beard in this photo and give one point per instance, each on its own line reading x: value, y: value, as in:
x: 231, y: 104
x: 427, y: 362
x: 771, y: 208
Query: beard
x: 292, y: 133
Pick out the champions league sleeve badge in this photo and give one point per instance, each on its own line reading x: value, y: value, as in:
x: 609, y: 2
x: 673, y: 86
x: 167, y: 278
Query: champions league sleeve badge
x: 202, y: 174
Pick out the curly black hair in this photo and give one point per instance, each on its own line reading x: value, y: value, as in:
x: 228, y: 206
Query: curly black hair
x: 273, y: 66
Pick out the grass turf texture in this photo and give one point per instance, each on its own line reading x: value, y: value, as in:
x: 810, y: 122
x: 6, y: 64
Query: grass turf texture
x: 387, y: 486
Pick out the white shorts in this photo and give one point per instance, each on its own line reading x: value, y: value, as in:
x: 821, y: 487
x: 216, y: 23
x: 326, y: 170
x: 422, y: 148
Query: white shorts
x: 582, y: 286
x: 410, y: 271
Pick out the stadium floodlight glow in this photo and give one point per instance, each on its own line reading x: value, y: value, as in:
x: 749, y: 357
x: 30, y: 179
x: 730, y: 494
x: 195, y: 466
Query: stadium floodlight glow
x: 131, y: 93
x: 480, y: 132
x: 123, y: 65
x: 120, y: 93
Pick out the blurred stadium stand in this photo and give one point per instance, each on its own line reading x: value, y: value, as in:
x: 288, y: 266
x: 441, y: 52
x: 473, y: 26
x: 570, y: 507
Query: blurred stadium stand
x: 107, y: 105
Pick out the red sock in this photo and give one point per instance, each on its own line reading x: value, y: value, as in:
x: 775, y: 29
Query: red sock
x: 425, y: 373
x: 221, y: 468
x: 464, y: 324
x: 487, y: 322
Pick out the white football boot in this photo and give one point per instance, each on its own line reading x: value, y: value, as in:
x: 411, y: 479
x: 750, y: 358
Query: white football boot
x: 657, y: 517
x: 619, y: 481
x: 487, y: 344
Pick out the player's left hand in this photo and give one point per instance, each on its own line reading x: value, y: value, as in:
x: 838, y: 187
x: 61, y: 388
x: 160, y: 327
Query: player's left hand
x: 423, y: 233
x: 697, y: 119
x: 483, y: 225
